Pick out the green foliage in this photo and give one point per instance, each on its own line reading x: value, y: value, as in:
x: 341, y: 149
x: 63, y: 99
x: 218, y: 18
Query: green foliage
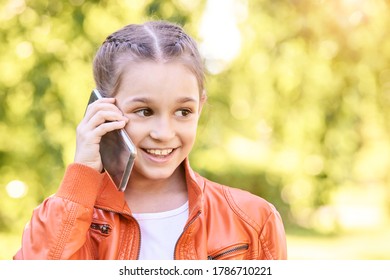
x: 299, y: 114
x: 305, y: 102
x: 45, y: 81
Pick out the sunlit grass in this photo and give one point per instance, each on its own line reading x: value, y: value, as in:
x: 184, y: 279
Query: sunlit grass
x: 9, y: 244
x: 369, y: 244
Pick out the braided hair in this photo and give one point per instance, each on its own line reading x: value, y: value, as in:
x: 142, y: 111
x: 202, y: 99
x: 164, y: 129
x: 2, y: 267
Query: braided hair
x: 157, y: 41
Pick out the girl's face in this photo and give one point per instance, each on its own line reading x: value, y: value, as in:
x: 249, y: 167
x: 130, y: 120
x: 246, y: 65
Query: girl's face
x: 163, y: 105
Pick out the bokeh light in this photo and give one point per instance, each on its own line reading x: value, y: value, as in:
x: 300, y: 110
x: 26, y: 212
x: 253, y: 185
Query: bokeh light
x: 16, y: 189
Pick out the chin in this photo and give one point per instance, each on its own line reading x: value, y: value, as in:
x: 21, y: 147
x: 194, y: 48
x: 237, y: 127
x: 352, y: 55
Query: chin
x: 155, y: 173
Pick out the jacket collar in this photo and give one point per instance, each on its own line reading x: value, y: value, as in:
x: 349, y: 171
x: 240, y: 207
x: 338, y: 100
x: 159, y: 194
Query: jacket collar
x: 195, y: 188
x: 111, y: 199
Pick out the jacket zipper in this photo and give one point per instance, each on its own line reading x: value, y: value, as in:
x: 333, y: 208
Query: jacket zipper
x: 131, y: 217
x: 140, y: 237
x: 229, y: 251
x: 103, y: 228
x: 185, y: 228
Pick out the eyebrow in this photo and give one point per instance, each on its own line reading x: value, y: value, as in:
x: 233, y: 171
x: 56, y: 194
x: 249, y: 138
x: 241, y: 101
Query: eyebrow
x: 140, y: 100
x: 185, y: 100
x: 148, y: 100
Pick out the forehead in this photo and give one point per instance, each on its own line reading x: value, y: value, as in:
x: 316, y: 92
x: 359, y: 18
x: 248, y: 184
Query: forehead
x: 158, y: 80
x: 126, y: 61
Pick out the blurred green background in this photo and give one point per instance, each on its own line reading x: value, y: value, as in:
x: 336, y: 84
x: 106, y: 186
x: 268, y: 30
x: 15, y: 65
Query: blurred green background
x: 298, y: 108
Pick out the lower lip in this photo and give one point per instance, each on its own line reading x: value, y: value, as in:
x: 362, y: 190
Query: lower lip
x: 158, y: 158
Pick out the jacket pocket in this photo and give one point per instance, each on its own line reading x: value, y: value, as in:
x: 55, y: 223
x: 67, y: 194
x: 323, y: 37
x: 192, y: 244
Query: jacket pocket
x: 233, y: 252
x: 101, y: 228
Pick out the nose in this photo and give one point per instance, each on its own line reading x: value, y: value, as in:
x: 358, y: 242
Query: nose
x: 162, y: 129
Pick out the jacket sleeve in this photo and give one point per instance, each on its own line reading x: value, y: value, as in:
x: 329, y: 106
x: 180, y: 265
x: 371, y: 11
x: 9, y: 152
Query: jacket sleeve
x: 273, y: 238
x: 58, y: 227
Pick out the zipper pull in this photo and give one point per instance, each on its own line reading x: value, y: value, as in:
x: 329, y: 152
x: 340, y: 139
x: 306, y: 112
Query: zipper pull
x: 235, y: 249
x: 103, y: 228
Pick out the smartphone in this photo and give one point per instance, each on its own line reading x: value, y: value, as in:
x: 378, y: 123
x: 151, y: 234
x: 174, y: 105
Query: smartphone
x: 117, y: 152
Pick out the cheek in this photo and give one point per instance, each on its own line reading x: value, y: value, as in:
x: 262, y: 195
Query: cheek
x: 136, y: 131
x: 139, y: 130
x: 188, y: 132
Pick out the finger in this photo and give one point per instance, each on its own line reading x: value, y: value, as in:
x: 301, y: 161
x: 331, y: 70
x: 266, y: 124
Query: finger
x: 100, y: 105
x: 108, y: 127
x: 104, y: 104
x: 102, y: 117
x: 86, y: 129
x: 86, y: 137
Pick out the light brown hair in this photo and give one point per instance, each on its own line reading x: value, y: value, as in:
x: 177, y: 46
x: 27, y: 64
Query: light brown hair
x: 158, y: 41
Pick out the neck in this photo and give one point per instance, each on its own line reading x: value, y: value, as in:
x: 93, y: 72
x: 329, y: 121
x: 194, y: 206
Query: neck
x: 144, y: 195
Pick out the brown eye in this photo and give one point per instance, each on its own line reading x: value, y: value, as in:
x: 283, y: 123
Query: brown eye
x: 183, y: 112
x: 144, y: 112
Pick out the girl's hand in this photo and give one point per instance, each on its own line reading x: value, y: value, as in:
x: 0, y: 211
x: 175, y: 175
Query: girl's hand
x: 101, y: 117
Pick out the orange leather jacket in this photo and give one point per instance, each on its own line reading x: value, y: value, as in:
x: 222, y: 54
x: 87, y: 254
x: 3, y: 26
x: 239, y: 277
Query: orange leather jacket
x: 82, y: 221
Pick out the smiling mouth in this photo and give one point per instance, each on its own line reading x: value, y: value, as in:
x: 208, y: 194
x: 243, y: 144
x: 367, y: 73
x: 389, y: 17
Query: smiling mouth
x: 159, y: 152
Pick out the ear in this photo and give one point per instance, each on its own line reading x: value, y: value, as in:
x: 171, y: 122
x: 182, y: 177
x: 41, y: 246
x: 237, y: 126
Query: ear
x: 203, y: 99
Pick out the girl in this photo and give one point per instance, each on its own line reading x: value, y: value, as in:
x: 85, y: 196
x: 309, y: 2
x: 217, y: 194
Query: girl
x: 153, y: 80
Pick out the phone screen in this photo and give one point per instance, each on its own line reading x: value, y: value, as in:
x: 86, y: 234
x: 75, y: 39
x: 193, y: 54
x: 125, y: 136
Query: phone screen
x: 117, y: 152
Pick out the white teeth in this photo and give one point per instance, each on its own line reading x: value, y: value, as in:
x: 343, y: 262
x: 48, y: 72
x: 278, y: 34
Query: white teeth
x: 159, y: 152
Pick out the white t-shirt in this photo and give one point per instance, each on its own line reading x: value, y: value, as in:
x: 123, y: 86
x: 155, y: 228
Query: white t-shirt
x: 160, y: 232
